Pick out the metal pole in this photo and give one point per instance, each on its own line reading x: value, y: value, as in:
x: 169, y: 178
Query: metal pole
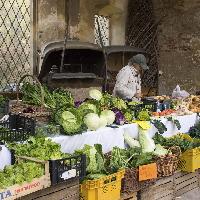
x: 66, y: 34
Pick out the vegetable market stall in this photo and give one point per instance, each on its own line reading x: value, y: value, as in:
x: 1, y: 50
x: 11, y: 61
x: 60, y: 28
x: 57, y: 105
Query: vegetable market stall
x: 107, y: 124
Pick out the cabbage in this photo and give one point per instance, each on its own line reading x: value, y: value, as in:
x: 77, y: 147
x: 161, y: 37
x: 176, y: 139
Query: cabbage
x: 146, y: 142
x: 92, y: 167
x: 109, y: 115
x: 87, y: 106
x: 119, y: 116
x: 68, y: 116
x: 70, y: 121
x: 92, y: 121
x: 71, y: 127
x: 103, y: 122
x: 160, y: 150
x: 130, y: 141
x: 95, y: 94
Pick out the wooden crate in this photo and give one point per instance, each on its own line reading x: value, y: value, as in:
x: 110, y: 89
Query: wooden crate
x: 18, y: 191
x: 184, y: 182
x: 132, y: 196
x: 62, y: 191
x: 161, y: 190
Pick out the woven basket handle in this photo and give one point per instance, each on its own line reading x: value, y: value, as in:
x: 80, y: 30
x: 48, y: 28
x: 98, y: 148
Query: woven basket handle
x: 38, y: 82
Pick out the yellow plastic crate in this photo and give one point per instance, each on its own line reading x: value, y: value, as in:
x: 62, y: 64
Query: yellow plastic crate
x: 105, y: 188
x: 189, y: 161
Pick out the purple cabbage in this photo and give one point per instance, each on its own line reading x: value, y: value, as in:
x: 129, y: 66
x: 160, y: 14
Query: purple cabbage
x: 78, y: 103
x: 119, y: 117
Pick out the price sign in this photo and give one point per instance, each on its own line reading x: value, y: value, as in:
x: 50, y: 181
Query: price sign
x: 147, y: 172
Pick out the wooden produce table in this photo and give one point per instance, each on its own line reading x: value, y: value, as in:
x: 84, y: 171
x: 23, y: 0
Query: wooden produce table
x: 169, y: 188
x: 163, y: 189
x: 185, y: 182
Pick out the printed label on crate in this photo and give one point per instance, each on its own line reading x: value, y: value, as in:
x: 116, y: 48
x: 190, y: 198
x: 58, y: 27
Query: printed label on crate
x: 69, y: 174
x: 147, y: 172
x: 5, y: 194
x: 18, y: 191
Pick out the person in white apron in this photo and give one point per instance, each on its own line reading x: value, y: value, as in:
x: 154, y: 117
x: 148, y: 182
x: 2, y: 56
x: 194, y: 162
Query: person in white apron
x: 128, y: 80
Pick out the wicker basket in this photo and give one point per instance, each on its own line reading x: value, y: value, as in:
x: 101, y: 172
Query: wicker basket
x: 131, y: 183
x: 41, y: 114
x: 168, y: 164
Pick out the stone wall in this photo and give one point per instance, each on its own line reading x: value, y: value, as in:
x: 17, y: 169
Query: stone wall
x: 179, y: 44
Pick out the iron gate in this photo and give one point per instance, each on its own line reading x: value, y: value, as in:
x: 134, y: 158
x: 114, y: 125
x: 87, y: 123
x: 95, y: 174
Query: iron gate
x: 14, y: 42
x: 142, y: 32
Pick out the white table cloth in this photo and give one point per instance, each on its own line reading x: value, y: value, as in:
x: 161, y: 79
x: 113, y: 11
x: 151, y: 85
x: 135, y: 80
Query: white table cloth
x: 108, y: 137
x: 5, y: 157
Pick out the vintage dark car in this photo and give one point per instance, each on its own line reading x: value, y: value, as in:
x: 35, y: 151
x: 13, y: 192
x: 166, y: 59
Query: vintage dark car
x: 85, y: 66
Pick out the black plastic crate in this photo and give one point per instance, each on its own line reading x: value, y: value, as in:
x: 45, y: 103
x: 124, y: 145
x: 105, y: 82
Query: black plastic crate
x: 17, y: 121
x: 150, y: 105
x: 16, y: 128
x: 67, y: 169
x: 74, y: 165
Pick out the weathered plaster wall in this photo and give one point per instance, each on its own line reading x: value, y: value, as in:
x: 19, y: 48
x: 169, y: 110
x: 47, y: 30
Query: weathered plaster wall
x: 118, y: 22
x: 51, y: 20
x: 179, y: 44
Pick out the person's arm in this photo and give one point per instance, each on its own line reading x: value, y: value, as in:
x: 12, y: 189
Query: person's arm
x: 138, y: 88
x: 121, y: 88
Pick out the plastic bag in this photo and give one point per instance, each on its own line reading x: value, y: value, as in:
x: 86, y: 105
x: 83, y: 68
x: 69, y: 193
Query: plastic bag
x: 179, y: 94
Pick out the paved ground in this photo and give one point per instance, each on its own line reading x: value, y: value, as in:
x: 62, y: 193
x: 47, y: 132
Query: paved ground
x: 192, y: 195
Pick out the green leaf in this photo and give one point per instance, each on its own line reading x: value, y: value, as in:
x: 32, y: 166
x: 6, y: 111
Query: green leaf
x: 159, y: 125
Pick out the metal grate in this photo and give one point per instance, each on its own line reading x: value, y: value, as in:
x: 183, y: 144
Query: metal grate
x: 142, y: 32
x: 14, y: 42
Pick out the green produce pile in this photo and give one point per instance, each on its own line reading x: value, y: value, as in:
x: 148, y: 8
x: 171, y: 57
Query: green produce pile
x: 99, y: 110
x: 32, y: 95
x: 143, y: 115
x: 109, y: 102
x: 178, y: 140
x: 86, y: 115
x: 39, y: 147
x: 139, y: 153
x: 95, y: 161
x: 20, y: 173
x: 194, y: 131
x: 129, y: 158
